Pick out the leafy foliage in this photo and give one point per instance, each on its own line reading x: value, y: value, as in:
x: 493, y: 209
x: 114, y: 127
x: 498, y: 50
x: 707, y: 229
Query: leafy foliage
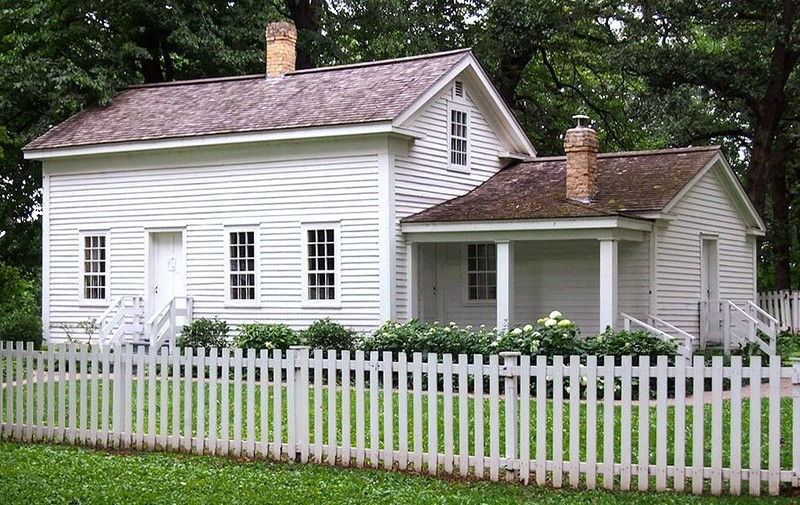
x: 266, y: 336
x: 629, y: 343
x: 327, y: 334
x: 417, y: 336
x: 19, y: 307
x: 204, y: 333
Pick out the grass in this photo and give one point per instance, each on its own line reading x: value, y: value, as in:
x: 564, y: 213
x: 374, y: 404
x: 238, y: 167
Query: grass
x: 59, y: 474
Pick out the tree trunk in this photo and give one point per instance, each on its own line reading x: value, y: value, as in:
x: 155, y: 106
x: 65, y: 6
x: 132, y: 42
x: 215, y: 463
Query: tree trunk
x: 780, y: 233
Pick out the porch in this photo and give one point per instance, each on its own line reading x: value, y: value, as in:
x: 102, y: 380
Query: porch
x: 507, y: 282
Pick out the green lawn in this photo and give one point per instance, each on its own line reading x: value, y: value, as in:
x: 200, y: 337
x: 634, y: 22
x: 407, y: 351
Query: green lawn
x: 59, y: 474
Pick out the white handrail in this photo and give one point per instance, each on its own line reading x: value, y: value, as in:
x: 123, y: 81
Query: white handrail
x: 770, y: 348
x: 682, y: 349
x: 687, y: 336
x: 764, y: 313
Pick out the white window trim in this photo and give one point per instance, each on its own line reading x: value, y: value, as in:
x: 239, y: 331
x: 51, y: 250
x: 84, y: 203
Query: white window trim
x: 453, y: 106
x: 230, y: 302
x: 335, y: 302
x: 82, y: 300
x: 465, y: 300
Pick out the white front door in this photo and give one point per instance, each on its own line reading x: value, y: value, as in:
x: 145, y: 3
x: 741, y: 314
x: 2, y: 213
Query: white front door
x: 167, y: 269
x: 709, y: 290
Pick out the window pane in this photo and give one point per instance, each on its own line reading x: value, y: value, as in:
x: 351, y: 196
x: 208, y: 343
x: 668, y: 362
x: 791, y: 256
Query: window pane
x: 481, y: 272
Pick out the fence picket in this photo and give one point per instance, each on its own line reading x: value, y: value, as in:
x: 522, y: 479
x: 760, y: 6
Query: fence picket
x: 541, y: 420
x: 200, y: 363
x: 402, y: 410
x: 494, y: 418
x: 224, y: 411
x: 318, y: 418
x: 463, y: 415
x: 754, y: 477
x: 263, y: 367
x: 416, y: 374
x: 661, y: 423
x: 625, y: 444
x: 374, y: 411
x: 698, y: 411
x: 643, y: 474
x: 346, y: 428
x: 447, y: 397
x: 140, y: 399
x: 525, y: 419
x: 332, y: 415
x: 774, y: 432
x: 388, y: 412
x: 574, y: 420
x: 40, y: 400
x: 29, y: 387
x: 716, y: 425
x: 433, y: 414
x: 735, y: 481
x: 609, y: 390
x: 591, y: 422
x: 105, y: 391
x: 250, y: 446
x: 277, y: 408
x: 176, y: 401
x: 479, y: 419
x: 151, y: 397
x: 236, y: 442
x: 360, y: 412
x: 679, y: 473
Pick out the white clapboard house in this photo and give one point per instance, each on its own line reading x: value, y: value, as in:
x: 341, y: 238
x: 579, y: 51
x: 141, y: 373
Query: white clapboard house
x: 386, y: 190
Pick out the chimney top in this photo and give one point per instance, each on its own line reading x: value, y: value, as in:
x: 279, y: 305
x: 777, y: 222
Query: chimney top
x: 281, y: 48
x: 582, y: 120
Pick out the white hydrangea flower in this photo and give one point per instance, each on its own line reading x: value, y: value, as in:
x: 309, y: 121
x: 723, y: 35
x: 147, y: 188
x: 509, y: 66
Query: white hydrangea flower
x: 555, y: 315
x: 564, y: 323
x: 527, y: 327
x: 550, y: 323
x: 516, y: 331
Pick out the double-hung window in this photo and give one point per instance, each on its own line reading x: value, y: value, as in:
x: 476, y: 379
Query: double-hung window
x: 94, y: 267
x: 481, y: 272
x: 242, y: 259
x: 321, y: 243
x: 459, y: 138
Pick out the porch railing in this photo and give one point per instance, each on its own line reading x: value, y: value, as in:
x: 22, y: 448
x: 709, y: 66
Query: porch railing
x: 684, y: 341
x: 122, y: 316
x: 165, y: 323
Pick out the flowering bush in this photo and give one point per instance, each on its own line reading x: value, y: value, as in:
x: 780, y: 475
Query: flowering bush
x: 416, y: 336
x: 266, y: 336
x: 552, y: 335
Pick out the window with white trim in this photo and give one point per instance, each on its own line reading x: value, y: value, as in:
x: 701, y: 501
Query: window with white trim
x: 242, y: 265
x: 481, y: 272
x: 321, y: 263
x: 94, y: 275
x: 458, y: 136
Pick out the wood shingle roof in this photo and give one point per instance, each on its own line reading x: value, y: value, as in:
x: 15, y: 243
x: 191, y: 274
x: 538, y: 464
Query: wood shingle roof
x: 628, y: 183
x: 350, y: 94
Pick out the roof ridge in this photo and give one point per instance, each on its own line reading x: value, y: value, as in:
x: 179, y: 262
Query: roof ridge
x: 655, y: 152
x: 381, y: 62
x: 329, y: 68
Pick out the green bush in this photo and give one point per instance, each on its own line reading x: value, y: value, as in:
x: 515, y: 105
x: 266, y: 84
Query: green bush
x: 205, y: 333
x: 416, y: 336
x: 327, y: 334
x: 552, y: 335
x: 624, y: 343
x: 21, y: 326
x: 266, y: 336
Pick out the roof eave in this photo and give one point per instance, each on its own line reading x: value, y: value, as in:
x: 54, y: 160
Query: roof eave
x: 348, y: 130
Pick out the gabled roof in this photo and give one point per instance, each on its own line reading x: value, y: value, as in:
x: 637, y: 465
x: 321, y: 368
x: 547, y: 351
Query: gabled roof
x: 349, y: 94
x: 629, y: 183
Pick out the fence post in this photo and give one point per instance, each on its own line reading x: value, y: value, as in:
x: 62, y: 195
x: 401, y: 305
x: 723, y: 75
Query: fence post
x: 511, y: 372
x: 300, y: 360
x: 796, y: 421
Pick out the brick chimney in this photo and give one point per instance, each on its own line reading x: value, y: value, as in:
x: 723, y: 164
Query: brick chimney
x: 581, y: 146
x: 281, y: 48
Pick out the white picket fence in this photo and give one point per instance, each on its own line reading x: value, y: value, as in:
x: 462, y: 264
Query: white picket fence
x: 498, y: 417
x: 784, y: 305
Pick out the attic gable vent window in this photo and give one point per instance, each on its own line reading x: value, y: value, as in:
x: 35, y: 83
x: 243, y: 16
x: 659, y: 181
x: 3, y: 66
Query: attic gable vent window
x: 458, y: 90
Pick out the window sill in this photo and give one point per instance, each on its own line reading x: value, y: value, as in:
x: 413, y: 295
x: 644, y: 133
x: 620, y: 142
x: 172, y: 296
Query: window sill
x: 479, y: 303
x: 458, y: 169
x: 93, y: 303
x: 321, y: 304
x: 242, y: 304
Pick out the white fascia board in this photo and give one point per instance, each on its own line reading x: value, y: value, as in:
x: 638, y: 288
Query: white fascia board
x: 602, y: 223
x: 377, y: 128
x: 504, y: 118
x: 730, y: 182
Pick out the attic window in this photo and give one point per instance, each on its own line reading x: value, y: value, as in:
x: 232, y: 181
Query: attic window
x: 458, y: 138
x: 458, y: 90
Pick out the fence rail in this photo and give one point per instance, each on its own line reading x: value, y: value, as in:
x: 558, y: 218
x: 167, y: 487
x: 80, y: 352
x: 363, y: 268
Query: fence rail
x: 784, y: 305
x: 617, y: 424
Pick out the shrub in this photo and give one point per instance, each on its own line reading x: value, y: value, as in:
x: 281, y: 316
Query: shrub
x: 623, y: 343
x: 552, y: 335
x: 266, y: 336
x: 416, y: 336
x: 21, y: 326
x: 206, y: 333
x: 327, y: 334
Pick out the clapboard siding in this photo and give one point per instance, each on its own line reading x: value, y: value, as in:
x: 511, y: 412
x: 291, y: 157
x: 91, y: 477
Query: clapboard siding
x: 422, y: 178
x: 705, y: 209
x: 275, y: 196
x: 633, y: 283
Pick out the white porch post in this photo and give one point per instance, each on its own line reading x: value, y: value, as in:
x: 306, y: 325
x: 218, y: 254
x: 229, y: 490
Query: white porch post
x: 505, y: 283
x: 412, y: 281
x: 608, y: 284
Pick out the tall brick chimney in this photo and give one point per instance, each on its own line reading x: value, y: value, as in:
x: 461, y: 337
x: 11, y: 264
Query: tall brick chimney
x: 581, y: 146
x: 281, y: 48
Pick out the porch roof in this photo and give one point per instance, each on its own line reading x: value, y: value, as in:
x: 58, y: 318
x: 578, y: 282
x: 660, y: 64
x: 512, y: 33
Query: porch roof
x: 629, y: 183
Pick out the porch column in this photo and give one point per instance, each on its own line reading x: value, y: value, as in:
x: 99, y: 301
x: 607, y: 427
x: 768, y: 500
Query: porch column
x: 608, y: 284
x: 505, y: 283
x: 412, y: 282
